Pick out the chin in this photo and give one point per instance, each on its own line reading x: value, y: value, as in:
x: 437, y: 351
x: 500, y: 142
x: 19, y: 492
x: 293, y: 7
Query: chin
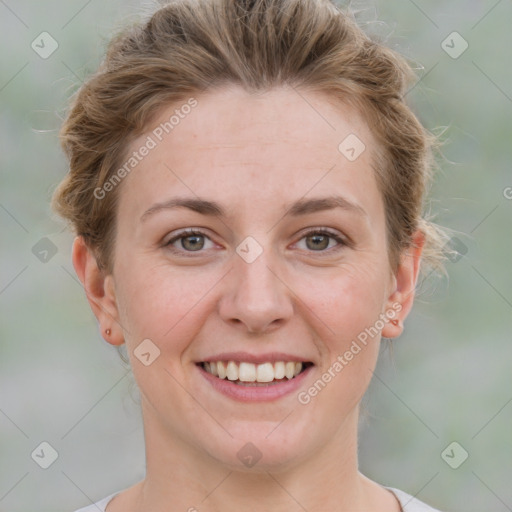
x: 264, y: 447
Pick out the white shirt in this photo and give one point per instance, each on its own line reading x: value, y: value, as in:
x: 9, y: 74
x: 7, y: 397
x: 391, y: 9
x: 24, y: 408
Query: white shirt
x: 407, y: 502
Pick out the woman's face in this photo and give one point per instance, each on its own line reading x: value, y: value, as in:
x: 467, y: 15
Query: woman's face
x: 287, y: 262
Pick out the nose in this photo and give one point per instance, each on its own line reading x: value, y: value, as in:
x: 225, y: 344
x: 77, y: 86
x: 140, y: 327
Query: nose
x: 255, y: 298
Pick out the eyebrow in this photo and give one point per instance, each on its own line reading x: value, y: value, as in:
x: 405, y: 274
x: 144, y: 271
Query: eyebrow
x: 197, y: 205
x: 305, y: 206
x: 300, y: 207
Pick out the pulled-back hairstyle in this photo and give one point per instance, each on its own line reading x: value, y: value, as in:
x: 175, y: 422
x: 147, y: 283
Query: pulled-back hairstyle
x: 193, y: 46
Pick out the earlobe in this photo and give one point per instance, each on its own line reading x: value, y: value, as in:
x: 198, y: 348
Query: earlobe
x: 402, y: 294
x: 99, y: 290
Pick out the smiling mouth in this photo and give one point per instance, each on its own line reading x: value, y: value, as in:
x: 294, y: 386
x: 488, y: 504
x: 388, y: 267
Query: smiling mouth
x: 249, y: 374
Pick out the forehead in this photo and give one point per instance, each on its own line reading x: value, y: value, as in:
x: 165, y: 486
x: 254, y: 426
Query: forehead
x: 238, y: 144
x: 287, y: 115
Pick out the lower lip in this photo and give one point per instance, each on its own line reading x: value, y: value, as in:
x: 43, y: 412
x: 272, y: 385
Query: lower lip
x: 247, y: 393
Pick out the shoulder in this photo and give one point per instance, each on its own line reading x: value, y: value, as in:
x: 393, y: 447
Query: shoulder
x: 99, y: 506
x: 410, y: 503
x: 407, y: 502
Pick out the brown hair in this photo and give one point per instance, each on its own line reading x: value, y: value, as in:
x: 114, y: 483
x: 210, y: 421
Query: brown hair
x: 192, y: 46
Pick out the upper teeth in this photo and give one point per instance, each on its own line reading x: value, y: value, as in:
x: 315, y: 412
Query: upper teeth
x: 248, y: 372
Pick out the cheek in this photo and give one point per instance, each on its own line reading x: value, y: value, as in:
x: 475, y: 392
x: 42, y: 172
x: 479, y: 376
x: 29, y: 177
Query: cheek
x: 346, y: 309
x: 347, y: 300
x: 163, y: 304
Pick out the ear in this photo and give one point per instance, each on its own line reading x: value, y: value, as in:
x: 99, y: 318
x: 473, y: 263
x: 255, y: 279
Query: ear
x: 403, y: 288
x: 100, y: 291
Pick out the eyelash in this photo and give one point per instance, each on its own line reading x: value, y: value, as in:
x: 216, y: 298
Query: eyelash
x: 326, y: 232
x: 318, y: 231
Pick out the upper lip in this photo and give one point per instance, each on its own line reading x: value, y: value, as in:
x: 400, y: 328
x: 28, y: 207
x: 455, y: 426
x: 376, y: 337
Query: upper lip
x: 246, y: 357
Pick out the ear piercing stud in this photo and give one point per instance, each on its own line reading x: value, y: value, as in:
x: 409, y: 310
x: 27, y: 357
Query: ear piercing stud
x: 395, y: 322
x: 107, y: 332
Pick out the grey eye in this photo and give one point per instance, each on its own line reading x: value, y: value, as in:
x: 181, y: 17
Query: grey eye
x: 317, y: 242
x: 192, y: 242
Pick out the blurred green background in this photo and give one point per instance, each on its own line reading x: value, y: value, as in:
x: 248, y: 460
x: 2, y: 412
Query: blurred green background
x: 448, y: 378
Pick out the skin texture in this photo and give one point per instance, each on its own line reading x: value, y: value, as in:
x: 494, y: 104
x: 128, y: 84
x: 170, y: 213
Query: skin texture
x: 254, y: 155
